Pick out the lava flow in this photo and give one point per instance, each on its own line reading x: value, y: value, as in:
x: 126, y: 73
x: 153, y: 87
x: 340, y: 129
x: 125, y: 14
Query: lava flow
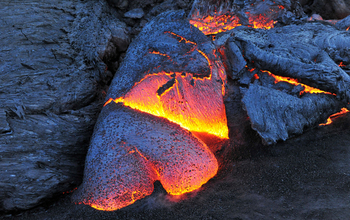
x: 264, y: 20
x: 213, y: 24
x: 341, y: 64
x: 216, y: 23
x: 260, y: 21
x: 329, y: 120
x: 307, y: 89
x: 195, y: 103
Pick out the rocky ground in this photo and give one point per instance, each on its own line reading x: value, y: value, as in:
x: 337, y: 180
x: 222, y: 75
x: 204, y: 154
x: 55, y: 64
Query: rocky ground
x: 52, y: 84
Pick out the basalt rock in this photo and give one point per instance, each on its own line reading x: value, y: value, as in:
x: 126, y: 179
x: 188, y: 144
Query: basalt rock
x: 51, y: 78
x: 276, y: 115
x: 300, y: 52
x: 343, y: 24
x: 310, y: 53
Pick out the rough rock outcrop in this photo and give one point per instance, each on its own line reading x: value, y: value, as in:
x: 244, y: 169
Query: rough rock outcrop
x: 50, y: 95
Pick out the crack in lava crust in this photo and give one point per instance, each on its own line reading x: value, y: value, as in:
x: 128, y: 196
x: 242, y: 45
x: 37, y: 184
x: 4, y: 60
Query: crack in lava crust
x: 194, y: 103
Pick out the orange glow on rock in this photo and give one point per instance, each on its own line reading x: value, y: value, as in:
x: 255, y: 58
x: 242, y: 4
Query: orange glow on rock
x: 124, y: 171
x: 180, y: 38
x: 213, y: 24
x: 307, y: 89
x: 117, y: 100
x: 341, y: 64
x: 178, y: 179
x: 261, y: 21
x: 347, y: 28
x: 329, y: 120
x: 159, y: 53
x: 194, y: 103
x: 185, y: 102
x: 216, y: 23
x: 117, y: 188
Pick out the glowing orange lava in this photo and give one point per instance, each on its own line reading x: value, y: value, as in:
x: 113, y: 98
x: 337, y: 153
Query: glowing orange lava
x: 183, y: 103
x: 159, y: 53
x: 308, y: 89
x: 181, y: 162
x: 216, y: 24
x: 261, y: 21
x: 341, y: 64
x: 347, y: 28
x: 329, y: 120
x: 194, y: 103
x: 213, y: 24
x: 178, y: 179
x: 187, y: 172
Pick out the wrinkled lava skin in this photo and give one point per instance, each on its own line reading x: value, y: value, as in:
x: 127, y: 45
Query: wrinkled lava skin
x: 131, y: 148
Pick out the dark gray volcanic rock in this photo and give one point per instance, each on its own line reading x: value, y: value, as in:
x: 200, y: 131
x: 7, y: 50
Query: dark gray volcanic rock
x: 276, y: 115
x: 328, y: 9
x: 308, y: 52
x: 156, y: 36
x: 343, y: 24
x: 50, y: 93
x: 304, y: 52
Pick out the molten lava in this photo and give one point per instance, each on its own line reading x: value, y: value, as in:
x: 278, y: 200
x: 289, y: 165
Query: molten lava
x: 307, y: 89
x: 221, y: 22
x: 341, y: 64
x: 260, y: 21
x: 195, y: 103
x: 329, y: 120
x: 131, y: 150
x: 181, y: 99
x: 216, y: 23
